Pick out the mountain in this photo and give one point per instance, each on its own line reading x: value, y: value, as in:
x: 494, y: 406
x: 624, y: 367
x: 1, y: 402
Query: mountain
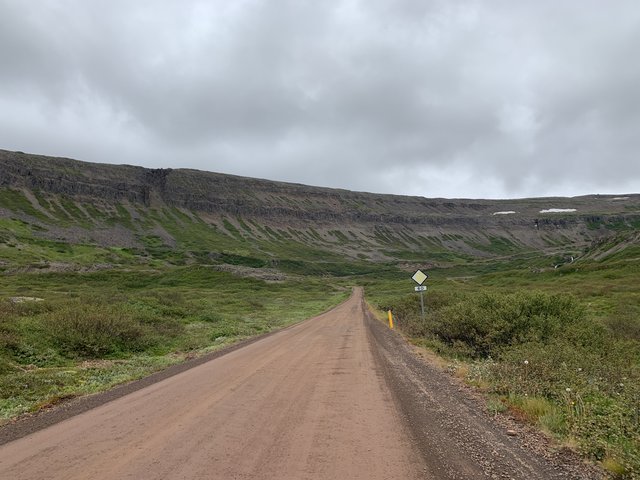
x: 73, y: 214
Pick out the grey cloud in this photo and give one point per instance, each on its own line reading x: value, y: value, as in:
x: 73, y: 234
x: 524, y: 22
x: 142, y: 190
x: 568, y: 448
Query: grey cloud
x: 442, y: 98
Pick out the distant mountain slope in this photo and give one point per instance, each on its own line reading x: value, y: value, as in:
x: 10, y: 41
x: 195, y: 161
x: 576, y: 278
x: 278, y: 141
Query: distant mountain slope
x: 52, y: 209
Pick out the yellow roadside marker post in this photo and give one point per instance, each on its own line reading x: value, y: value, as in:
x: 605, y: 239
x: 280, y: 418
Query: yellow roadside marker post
x: 390, y: 320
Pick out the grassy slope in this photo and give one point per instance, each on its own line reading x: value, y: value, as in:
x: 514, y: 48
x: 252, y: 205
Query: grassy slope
x: 57, y: 229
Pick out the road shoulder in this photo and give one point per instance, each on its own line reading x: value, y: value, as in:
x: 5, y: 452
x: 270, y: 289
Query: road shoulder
x: 451, y: 426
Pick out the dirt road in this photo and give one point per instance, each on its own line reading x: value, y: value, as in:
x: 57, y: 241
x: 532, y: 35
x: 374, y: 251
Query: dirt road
x: 335, y: 397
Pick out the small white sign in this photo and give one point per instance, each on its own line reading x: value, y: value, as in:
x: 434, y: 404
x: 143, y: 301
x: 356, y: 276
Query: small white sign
x: 421, y: 288
x: 419, y: 277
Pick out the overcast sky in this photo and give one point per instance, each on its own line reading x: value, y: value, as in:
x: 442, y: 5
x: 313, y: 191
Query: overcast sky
x: 489, y: 99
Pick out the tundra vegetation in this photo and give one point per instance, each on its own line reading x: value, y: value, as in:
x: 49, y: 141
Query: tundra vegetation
x: 558, y: 348
x: 97, y: 329
x: 543, y: 317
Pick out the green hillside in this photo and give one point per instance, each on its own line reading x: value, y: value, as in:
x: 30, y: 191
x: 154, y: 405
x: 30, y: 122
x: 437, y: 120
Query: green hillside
x: 108, y: 273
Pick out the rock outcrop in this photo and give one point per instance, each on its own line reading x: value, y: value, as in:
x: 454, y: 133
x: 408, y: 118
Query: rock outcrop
x: 450, y: 221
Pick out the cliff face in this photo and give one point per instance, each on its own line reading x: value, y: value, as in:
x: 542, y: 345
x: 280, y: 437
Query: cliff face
x: 465, y: 226
x: 218, y: 193
x: 69, y: 177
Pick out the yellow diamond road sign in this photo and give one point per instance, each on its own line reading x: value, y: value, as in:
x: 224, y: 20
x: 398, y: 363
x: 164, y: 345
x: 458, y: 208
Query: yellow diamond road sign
x: 419, y: 277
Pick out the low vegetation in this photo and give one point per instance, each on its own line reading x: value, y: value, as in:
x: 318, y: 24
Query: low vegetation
x: 559, y: 349
x: 94, y: 330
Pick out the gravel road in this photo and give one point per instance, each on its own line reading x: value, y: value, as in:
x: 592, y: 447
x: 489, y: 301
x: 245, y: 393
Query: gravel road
x: 336, y: 397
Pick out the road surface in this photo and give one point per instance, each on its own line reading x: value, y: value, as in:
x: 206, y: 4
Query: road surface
x: 335, y: 397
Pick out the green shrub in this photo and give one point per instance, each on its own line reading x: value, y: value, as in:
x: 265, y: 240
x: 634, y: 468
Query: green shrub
x: 93, y: 331
x: 241, y: 260
x: 624, y: 326
x: 485, y: 324
x: 8, y: 336
x: 6, y: 366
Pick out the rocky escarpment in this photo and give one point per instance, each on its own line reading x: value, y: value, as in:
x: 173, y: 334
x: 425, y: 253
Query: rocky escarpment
x: 69, y: 177
x: 219, y: 193
x: 383, y: 221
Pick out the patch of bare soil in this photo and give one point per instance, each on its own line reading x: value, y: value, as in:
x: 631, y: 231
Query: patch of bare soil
x: 60, y: 267
x: 265, y: 274
x: 25, y: 299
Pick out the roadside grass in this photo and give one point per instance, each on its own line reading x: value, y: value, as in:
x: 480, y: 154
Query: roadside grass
x: 95, y: 330
x: 558, y: 348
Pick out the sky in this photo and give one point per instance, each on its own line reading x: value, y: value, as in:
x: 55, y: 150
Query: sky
x: 436, y: 98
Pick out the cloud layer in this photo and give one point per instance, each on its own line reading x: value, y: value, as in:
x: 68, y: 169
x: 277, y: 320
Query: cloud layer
x: 423, y: 97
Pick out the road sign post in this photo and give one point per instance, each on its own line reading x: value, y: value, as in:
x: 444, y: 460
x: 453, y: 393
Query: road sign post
x: 419, y: 277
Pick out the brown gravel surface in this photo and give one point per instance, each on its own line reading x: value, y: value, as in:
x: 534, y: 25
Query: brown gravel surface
x: 336, y: 397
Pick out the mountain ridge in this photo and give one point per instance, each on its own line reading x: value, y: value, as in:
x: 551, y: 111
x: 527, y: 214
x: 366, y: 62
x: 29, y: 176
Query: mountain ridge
x: 79, y: 202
